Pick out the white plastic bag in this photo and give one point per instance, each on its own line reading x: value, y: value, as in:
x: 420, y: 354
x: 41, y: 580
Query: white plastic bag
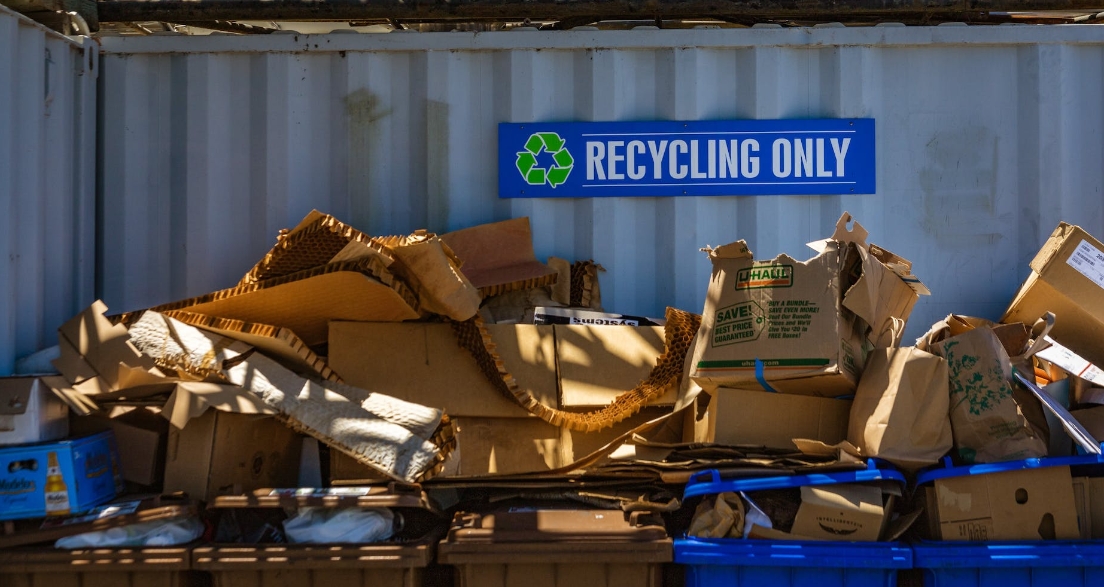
x: 339, y: 525
x: 155, y: 533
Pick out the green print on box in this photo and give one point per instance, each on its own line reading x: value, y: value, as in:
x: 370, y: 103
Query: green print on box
x: 744, y: 322
x: 738, y: 323
x: 765, y: 276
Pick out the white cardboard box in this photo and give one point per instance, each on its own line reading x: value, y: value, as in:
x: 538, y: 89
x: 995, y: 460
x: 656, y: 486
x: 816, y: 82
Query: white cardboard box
x: 30, y: 412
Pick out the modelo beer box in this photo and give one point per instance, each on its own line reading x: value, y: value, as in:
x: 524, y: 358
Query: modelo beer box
x: 58, y: 478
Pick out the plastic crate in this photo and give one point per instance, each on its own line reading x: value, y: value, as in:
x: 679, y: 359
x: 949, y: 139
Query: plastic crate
x: 733, y: 562
x: 398, y: 562
x: 129, y: 567
x: 1011, y: 564
x: 524, y: 547
x: 776, y: 563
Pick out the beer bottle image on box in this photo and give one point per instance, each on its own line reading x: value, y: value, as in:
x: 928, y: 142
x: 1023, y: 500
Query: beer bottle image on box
x: 57, y: 494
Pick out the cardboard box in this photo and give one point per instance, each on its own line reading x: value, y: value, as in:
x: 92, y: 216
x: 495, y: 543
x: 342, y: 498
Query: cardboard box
x: 141, y: 434
x: 842, y: 512
x: 801, y: 326
x: 1092, y: 419
x: 1029, y: 504
x: 551, y: 315
x: 424, y: 364
x: 86, y: 477
x: 773, y: 420
x: 31, y: 412
x: 596, y: 364
x: 1067, y: 278
x: 220, y: 453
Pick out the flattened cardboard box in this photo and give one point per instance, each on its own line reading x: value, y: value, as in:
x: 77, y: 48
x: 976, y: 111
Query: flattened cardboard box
x: 424, y: 364
x: 773, y: 420
x: 598, y: 363
x: 1067, y: 278
x: 504, y: 446
x: 1030, y: 504
x: 801, y: 326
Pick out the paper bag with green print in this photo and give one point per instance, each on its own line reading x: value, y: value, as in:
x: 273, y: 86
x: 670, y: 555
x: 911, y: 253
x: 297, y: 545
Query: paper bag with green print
x: 992, y: 419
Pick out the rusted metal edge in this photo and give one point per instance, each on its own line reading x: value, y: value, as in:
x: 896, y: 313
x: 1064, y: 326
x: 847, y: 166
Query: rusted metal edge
x: 430, y: 10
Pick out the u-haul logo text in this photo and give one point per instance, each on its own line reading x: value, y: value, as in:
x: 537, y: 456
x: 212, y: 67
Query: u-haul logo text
x: 764, y: 276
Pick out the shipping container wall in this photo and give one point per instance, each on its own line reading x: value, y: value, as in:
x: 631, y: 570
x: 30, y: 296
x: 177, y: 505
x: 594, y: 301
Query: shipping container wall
x: 986, y: 138
x: 47, y: 183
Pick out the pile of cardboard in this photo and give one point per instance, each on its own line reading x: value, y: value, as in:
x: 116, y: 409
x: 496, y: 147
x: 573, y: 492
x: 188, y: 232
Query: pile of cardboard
x: 344, y: 354
x: 463, y: 363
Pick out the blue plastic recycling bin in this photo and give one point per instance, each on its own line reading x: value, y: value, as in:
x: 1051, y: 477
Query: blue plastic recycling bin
x: 1012, y: 563
x: 735, y: 562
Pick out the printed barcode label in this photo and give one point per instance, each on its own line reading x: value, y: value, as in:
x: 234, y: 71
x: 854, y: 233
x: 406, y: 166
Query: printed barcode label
x: 1088, y: 261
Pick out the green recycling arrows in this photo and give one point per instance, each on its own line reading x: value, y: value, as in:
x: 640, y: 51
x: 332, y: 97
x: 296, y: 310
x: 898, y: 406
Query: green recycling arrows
x: 562, y: 161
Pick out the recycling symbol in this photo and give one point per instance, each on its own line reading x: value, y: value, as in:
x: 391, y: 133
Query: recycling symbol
x: 561, y: 160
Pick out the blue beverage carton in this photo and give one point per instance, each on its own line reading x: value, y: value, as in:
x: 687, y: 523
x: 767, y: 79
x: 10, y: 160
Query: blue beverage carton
x: 58, y: 478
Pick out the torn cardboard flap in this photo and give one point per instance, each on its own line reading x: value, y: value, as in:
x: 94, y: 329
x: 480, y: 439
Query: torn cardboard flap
x: 499, y: 257
x: 856, y: 234
x: 882, y: 299
x: 736, y: 250
x: 190, y: 399
x: 439, y: 283
x: 91, y: 346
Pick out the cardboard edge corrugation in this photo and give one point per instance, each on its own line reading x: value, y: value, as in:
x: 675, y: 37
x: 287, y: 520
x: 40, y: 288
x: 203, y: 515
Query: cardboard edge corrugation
x: 314, y: 225
x: 678, y: 337
x: 276, y: 341
x: 373, y: 268
x: 666, y: 398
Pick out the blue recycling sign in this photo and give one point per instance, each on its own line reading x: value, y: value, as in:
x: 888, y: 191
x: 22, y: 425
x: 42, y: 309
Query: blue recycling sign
x: 689, y: 158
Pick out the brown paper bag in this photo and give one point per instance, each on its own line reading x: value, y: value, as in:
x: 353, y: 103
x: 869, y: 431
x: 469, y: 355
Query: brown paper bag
x: 987, y: 418
x: 900, y: 410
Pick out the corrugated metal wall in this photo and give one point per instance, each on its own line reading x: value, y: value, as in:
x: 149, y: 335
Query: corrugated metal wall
x: 986, y: 138
x: 47, y: 183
